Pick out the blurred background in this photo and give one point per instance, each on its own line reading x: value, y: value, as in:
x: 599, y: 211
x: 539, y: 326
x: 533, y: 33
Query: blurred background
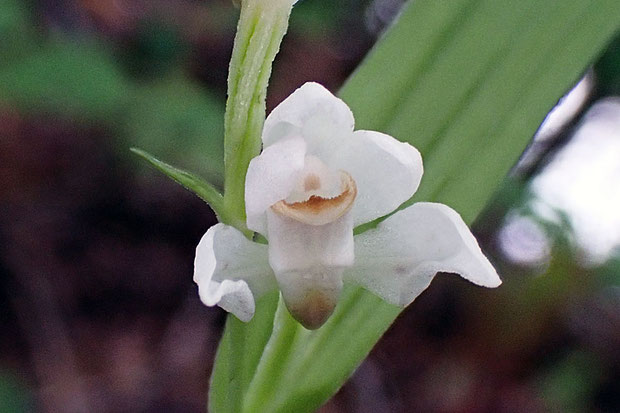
x: 98, y: 310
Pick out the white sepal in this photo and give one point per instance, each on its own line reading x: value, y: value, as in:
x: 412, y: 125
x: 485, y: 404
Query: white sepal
x: 232, y: 271
x: 398, y: 259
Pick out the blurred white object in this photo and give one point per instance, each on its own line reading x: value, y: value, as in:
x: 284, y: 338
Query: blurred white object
x: 584, y: 181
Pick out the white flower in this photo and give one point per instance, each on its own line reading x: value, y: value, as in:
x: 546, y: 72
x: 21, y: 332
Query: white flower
x: 316, y: 180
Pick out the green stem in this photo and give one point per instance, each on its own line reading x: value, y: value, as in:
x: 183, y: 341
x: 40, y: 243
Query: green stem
x: 269, y: 372
x: 262, y: 26
x: 238, y: 355
x: 237, y: 337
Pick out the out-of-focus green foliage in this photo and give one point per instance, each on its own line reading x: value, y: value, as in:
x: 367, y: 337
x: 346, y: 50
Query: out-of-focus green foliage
x: 155, y: 50
x: 16, y: 32
x: 609, y: 273
x: 78, y: 80
x: 13, y: 398
x: 569, y: 383
x: 314, y: 18
x: 181, y: 123
x: 607, y: 70
x: 84, y: 79
x: 13, y: 16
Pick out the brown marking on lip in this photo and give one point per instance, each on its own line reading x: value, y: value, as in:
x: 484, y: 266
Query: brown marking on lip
x: 316, y: 204
x: 312, y: 183
x: 317, y: 210
x: 314, y: 311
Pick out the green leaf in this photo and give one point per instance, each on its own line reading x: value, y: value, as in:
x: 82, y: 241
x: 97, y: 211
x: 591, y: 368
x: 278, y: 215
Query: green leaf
x: 467, y: 82
x: 200, y: 187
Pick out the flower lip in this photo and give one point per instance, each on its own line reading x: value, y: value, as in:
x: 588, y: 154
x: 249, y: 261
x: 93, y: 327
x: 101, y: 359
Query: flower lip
x: 317, y: 210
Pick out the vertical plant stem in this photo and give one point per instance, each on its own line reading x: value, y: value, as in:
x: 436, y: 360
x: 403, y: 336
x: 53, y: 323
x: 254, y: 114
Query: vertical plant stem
x: 236, y: 363
x: 237, y: 356
x: 262, y: 26
x: 269, y: 372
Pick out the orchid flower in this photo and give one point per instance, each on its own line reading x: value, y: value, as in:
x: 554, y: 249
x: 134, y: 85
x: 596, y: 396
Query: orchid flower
x: 314, y: 182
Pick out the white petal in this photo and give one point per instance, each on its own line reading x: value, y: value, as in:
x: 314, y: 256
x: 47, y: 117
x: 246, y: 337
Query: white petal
x: 311, y: 112
x: 398, y: 259
x: 308, y: 261
x: 387, y: 172
x: 232, y: 271
x: 271, y: 177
